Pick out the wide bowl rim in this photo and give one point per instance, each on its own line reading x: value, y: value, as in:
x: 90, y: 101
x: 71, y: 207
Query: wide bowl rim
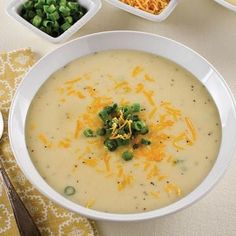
x: 227, y: 5
x: 27, y: 167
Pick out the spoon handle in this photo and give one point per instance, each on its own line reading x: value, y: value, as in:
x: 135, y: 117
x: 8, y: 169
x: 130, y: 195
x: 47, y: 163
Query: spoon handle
x: 24, y: 221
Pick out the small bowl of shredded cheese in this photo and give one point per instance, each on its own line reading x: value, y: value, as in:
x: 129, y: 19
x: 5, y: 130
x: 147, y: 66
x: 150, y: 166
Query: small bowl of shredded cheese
x: 153, y: 10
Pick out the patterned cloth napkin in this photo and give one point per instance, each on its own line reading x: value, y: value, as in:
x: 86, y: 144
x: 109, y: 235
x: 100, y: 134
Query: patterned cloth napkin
x: 50, y: 218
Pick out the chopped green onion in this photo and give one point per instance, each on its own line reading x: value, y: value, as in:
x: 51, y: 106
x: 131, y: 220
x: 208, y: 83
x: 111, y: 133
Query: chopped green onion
x: 121, y: 125
x: 127, y: 156
x: 135, y: 107
x: 49, y: 2
x: 37, y: 21
x: 28, y: 5
x: 144, y: 130
x: 63, y: 2
x: 65, y: 26
x: 31, y: 14
x: 69, y: 190
x: 48, y: 23
x: 55, y: 25
x: 65, y: 11
x: 145, y: 141
x: 39, y: 4
x: 51, y: 9
x: 122, y: 142
x: 88, y: 133
x: 69, y: 19
x: 40, y: 13
x: 134, y: 117
x: 127, y: 111
x: 138, y: 125
x: 101, y: 132
x: 73, y: 5
x: 111, y: 144
x: 103, y: 115
x: 53, y: 16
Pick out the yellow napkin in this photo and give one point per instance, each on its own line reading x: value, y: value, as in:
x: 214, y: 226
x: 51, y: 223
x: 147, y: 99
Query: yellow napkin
x: 50, y: 218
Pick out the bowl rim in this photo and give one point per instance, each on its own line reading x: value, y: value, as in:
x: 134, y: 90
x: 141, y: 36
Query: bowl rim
x: 146, y: 15
x: 14, y: 5
x: 205, y: 186
x: 227, y: 5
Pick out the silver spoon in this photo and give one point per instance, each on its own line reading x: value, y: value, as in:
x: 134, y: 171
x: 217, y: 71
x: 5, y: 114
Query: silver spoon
x: 24, y: 221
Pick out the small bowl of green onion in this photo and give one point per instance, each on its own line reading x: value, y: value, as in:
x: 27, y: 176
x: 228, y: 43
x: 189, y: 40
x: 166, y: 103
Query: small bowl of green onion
x: 53, y: 20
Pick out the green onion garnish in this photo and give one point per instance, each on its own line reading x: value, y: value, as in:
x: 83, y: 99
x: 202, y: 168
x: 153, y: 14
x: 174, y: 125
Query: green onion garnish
x: 111, y: 144
x: 61, y: 14
x: 145, y: 141
x: 69, y: 190
x: 120, y: 127
x: 88, y: 133
x: 127, y: 156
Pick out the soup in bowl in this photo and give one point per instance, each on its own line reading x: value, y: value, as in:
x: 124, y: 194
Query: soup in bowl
x: 123, y: 131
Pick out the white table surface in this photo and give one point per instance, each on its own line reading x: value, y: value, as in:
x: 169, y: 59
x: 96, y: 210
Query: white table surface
x: 209, y: 29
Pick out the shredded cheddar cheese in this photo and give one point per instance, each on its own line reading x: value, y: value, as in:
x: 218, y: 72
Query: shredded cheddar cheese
x: 136, y: 71
x: 148, y: 78
x: 91, y: 162
x: 172, y: 188
x: 177, y: 139
x: 149, y: 96
x: 90, y: 203
x: 152, y: 112
x: 44, y: 140
x: 106, y: 160
x: 155, y: 194
x: 150, y: 6
x: 73, y: 81
x: 191, y: 128
x: 139, y: 87
x: 124, y: 85
x: 77, y: 129
x: 65, y: 143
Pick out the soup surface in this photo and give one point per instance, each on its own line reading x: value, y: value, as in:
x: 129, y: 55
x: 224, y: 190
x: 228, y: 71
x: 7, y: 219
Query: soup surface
x: 183, y: 121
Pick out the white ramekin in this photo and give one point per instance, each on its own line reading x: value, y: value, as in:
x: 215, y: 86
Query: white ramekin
x: 92, y: 7
x: 148, y: 16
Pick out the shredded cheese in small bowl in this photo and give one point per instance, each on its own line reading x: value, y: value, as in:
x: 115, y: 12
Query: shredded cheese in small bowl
x: 153, y: 10
x: 152, y: 6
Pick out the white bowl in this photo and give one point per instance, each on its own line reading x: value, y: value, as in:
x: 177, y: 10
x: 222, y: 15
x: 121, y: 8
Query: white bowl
x: 92, y: 7
x: 158, y: 45
x: 227, y: 5
x: 146, y: 15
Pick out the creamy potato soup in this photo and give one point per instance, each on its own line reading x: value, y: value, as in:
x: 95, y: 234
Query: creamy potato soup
x: 147, y: 170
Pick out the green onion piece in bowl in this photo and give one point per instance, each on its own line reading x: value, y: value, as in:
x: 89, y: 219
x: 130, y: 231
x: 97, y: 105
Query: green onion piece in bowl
x: 40, y: 12
x: 69, y: 20
x: 135, y: 107
x: 88, y: 133
x: 127, y: 156
x: 145, y: 141
x: 65, y: 11
x: 69, y: 190
x: 36, y: 21
x: 28, y: 5
x: 111, y: 144
x: 65, y: 26
x: 53, y: 16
